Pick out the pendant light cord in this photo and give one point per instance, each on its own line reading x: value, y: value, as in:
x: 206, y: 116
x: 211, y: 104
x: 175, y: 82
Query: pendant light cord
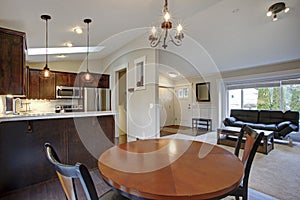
x: 47, y: 42
x: 88, y: 46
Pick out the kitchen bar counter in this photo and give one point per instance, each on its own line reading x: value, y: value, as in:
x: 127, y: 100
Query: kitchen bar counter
x: 77, y: 137
x: 51, y: 115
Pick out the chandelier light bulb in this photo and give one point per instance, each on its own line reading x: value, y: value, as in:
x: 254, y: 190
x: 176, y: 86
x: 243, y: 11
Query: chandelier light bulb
x: 275, y: 18
x: 269, y: 14
x: 153, y: 30
x: 167, y: 17
x: 286, y: 9
x: 179, y: 28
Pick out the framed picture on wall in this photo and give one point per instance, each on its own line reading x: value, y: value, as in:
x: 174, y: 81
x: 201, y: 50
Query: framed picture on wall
x: 203, y: 92
x: 139, y: 67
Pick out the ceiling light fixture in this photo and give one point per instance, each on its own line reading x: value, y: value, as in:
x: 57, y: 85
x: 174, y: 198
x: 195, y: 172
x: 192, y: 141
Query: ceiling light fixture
x: 87, y: 76
x: 68, y: 44
x: 277, y: 8
x: 166, y: 31
x: 78, y: 30
x: 45, y: 73
x: 172, y: 74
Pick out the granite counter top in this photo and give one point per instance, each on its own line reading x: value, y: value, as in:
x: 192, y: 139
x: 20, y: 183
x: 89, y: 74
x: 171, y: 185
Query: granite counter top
x: 50, y: 115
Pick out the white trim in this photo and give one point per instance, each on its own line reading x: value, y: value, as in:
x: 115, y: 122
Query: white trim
x: 116, y: 94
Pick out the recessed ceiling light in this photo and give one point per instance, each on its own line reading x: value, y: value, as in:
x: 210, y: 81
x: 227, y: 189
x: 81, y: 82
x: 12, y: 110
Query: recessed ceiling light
x: 173, y: 74
x: 63, y: 50
x: 68, y: 44
x: 78, y: 30
x: 61, y: 56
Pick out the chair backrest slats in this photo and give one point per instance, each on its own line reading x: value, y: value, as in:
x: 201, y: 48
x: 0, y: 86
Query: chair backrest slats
x: 252, y: 142
x: 67, y: 174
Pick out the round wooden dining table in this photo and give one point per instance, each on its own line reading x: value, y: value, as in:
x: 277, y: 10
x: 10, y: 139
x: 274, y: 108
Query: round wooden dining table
x: 171, y: 169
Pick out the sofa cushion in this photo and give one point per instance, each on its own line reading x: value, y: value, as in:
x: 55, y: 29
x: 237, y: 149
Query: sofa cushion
x: 245, y: 115
x: 229, y: 121
x: 270, y: 117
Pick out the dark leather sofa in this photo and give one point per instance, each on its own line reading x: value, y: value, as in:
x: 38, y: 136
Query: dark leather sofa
x: 282, y: 123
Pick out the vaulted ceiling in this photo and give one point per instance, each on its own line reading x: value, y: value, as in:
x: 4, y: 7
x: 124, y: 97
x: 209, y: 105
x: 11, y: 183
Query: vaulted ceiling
x: 234, y: 34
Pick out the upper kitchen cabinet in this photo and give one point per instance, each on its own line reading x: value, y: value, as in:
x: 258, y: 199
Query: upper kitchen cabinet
x: 40, y: 88
x: 65, y: 79
x: 12, y: 62
x: 100, y: 81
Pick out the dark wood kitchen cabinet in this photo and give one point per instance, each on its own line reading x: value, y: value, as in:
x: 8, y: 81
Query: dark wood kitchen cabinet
x: 38, y: 87
x: 65, y: 79
x: 33, y: 83
x: 12, y: 62
x: 100, y: 81
x: 22, y: 157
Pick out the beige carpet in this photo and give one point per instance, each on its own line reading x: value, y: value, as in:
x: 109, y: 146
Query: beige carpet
x: 276, y: 174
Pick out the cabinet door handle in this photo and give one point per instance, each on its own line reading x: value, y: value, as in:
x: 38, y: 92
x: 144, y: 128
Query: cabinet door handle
x: 29, y: 127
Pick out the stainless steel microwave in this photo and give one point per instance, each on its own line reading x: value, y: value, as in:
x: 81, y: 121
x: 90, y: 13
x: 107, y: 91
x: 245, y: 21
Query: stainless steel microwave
x: 64, y: 92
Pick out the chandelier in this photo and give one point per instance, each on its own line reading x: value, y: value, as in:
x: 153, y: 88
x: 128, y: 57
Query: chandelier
x: 166, y: 31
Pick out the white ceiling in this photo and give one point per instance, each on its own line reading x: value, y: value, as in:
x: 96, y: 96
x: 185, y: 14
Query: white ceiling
x: 234, y: 34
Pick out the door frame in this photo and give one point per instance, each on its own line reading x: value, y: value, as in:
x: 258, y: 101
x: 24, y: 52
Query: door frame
x: 115, y: 100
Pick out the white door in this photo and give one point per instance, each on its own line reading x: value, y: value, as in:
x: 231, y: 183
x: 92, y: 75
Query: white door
x: 183, y: 105
x: 166, y: 105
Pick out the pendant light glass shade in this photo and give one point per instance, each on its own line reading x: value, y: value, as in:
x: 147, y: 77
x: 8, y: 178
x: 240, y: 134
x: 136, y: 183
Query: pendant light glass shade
x: 45, y: 73
x: 87, y: 76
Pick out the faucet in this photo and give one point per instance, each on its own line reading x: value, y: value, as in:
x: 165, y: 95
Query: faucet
x: 15, y: 105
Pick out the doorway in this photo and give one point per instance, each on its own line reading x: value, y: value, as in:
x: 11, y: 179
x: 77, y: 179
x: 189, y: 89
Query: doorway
x: 122, y: 105
x: 166, y: 105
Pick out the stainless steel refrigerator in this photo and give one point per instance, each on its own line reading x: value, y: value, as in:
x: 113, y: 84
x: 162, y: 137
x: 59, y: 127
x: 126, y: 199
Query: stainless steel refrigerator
x: 96, y: 99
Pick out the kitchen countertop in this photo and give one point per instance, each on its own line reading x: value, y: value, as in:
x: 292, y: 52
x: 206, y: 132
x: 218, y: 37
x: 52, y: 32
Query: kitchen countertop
x: 51, y: 115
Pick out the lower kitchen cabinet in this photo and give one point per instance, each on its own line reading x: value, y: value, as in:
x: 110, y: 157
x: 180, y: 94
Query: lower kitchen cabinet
x: 22, y: 157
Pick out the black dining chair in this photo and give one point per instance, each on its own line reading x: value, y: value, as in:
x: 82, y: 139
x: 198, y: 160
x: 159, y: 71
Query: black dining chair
x: 68, y: 173
x: 252, y: 142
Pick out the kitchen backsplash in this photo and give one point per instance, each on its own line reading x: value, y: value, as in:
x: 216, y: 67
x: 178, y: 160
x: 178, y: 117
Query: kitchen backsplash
x: 36, y: 106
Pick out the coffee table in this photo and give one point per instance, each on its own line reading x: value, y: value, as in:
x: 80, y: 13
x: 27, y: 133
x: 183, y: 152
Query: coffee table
x: 228, y: 136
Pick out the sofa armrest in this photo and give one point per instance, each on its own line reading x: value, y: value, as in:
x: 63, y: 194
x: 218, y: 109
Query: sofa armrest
x: 283, y: 125
x: 288, y: 129
x: 229, y: 121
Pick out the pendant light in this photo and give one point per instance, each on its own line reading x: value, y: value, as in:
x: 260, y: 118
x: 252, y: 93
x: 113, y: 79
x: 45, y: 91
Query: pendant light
x: 87, y: 76
x: 45, y: 73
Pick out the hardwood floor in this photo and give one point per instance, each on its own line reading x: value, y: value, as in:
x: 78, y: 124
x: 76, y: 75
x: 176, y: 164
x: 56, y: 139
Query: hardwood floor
x: 52, y: 190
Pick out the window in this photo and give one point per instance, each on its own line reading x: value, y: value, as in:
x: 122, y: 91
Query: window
x: 276, y: 95
x: 183, y: 93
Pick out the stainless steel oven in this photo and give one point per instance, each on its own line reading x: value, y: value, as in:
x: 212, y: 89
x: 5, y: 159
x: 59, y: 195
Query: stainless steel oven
x: 64, y: 92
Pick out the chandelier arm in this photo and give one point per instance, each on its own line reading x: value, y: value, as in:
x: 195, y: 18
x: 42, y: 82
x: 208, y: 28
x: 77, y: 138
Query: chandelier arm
x: 155, y: 41
x: 175, y: 41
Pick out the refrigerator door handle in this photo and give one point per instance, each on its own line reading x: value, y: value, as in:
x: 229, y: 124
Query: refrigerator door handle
x: 97, y: 100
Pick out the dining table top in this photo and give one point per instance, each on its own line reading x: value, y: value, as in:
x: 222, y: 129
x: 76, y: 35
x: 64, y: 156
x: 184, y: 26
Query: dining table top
x: 171, y: 169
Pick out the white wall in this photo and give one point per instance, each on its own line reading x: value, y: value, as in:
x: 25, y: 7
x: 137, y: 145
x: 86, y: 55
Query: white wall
x: 142, y: 105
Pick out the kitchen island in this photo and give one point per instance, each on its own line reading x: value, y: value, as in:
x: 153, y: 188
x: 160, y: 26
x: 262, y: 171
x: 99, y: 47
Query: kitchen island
x: 77, y: 137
